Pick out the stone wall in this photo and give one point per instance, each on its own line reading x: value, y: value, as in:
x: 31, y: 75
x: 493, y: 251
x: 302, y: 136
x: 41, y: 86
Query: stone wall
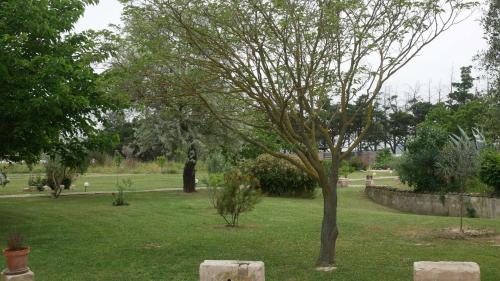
x: 433, y: 204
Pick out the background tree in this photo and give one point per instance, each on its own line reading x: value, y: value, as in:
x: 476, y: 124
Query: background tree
x: 287, y: 59
x: 417, y: 164
x: 491, y: 57
x: 461, y: 93
x: 169, y: 121
x: 49, y: 90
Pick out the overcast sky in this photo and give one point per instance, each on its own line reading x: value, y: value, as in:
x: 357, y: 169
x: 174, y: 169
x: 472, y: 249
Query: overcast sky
x: 433, y: 67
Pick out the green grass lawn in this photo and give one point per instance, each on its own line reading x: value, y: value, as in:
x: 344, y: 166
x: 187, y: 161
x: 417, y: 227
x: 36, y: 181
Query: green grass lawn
x: 142, y: 181
x: 166, y: 235
x: 104, y: 182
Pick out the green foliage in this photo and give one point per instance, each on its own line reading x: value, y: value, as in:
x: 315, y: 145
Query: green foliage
x: 238, y: 194
x: 118, y: 159
x: 217, y: 163
x: 3, y: 178
x: 346, y: 168
x: 383, y: 160
x: 279, y: 177
x: 161, y: 161
x: 461, y: 94
x: 489, y: 171
x: 490, y: 58
x: 215, y: 180
x: 357, y: 164
x: 15, y: 242
x: 476, y: 186
x: 56, y: 172
x: 471, y: 212
x: 37, y: 181
x: 119, y: 197
x: 459, y: 159
x: 50, y: 91
x: 416, y: 166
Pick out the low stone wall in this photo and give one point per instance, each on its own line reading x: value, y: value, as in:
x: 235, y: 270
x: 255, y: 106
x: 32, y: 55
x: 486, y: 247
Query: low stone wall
x: 433, y: 204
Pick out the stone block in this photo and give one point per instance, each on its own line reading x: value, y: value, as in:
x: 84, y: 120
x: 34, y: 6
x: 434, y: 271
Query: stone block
x: 228, y: 270
x: 28, y: 276
x: 343, y: 182
x: 446, y: 271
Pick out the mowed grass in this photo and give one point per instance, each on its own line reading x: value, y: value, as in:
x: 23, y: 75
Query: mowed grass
x: 142, y: 181
x: 166, y: 235
x: 104, y: 182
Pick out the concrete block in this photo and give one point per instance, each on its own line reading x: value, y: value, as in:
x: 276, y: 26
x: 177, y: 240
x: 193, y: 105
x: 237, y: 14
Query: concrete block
x: 228, y: 270
x: 446, y: 271
x: 343, y: 182
x: 28, y: 276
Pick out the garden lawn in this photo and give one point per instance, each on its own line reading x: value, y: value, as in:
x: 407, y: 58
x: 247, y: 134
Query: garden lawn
x: 104, y: 182
x: 166, y: 235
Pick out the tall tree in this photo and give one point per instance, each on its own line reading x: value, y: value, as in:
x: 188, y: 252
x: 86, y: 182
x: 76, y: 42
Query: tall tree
x: 287, y: 59
x: 491, y: 57
x: 144, y: 70
x: 461, y: 94
x: 50, y: 98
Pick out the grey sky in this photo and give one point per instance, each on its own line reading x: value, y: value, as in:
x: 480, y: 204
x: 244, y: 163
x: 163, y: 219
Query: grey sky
x: 454, y: 49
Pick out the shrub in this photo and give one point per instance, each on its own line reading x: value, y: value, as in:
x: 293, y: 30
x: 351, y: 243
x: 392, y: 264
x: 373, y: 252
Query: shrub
x: 417, y: 165
x: 119, y: 197
x: 161, y: 161
x: 357, y: 164
x: 475, y: 185
x: 215, y: 180
x: 238, y: 194
x: 15, y: 242
x: 345, y: 169
x: 383, y: 159
x: 489, y: 171
x: 58, y: 174
x: 37, y: 182
x: 217, y: 163
x: 279, y: 177
x: 3, y: 179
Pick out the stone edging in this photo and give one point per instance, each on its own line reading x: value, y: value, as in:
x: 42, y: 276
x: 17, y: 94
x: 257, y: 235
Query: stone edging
x: 434, y: 203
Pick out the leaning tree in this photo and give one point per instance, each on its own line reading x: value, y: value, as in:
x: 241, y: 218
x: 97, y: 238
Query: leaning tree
x: 281, y: 62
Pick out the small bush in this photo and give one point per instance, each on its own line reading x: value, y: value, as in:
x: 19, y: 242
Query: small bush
x: 119, y: 197
x: 383, y: 159
x: 3, y: 179
x: 471, y: 212
x: 489, y: 171
x: 475, y: 185
x: 345, y: 169
x: 161, y: 161
x: 15, y: 242
x: 357, y: 164
x: 37, y: 181
x: 217, y: 163
x: 215, y: 180
x: 238, y: 194
x: 279, y: 177
x: 417, y: 165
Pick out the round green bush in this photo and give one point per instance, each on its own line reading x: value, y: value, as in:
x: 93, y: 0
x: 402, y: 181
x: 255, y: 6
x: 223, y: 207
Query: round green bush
x: 279, y: 177
x: 417, y: 165
x: 489, y: 171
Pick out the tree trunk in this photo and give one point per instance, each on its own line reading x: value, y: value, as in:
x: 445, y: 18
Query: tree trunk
x: 189, y: 174
x: 329, y: 227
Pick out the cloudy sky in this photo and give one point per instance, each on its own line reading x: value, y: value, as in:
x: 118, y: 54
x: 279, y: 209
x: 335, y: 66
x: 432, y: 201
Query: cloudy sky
x: 433, y: 69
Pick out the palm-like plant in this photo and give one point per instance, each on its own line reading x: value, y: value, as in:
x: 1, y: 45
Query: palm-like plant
x: 459, y: 160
